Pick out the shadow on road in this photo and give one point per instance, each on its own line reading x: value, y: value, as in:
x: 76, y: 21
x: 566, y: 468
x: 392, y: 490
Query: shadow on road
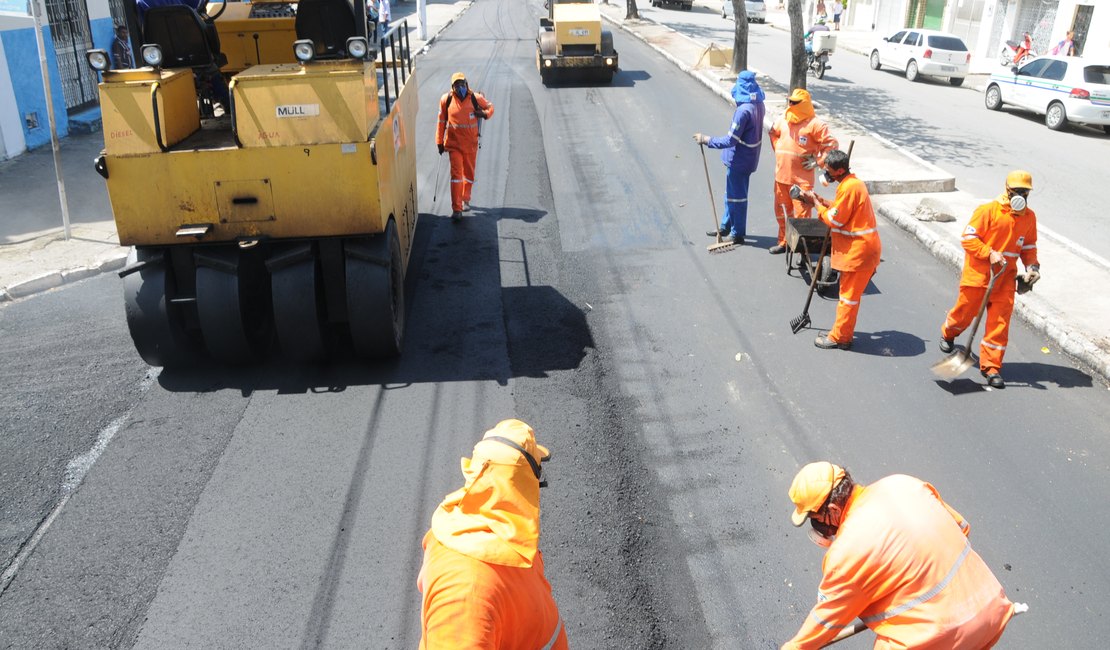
x: 1036, y: 375
x: 888, y: 343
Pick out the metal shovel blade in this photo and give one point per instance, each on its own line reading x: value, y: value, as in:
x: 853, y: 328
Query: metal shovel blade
x: 954, y: 364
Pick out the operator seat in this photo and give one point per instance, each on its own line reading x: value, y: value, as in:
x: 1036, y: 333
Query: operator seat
x: 328, y: 24
x: 186, y: 40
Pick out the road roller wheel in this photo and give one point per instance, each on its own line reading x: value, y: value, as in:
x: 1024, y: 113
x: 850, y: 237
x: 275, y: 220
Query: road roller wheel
x: 376, y: 294
x: 156, y: 323
x: 232, y: 304
x: 296, y: 283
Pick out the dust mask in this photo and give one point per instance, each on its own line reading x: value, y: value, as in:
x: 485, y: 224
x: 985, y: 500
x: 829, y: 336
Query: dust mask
x: 819, y: 539
x: 1017, y: 203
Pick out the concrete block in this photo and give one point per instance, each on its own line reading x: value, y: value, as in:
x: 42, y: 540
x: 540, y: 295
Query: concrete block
x: 35, y: 284
x: 931, y: 209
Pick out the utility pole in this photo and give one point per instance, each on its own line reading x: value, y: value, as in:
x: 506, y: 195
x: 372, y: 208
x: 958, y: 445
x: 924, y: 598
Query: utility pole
x: 37, y: 12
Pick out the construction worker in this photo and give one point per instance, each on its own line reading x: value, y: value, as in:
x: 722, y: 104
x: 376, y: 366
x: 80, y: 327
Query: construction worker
x: 460, y: 110
x: 1003, y: 230
x: 856, y: 248
x: 482, y: 579
x: 740, y: 155
x: 899, y: 559
x: 800, y: 141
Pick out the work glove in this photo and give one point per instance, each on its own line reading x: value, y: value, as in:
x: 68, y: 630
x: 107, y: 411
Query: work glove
x: 441, y: 149
x: 809, y: 162
x: 1028, y: 279
x: 481, y: 115
x: 701, y: 138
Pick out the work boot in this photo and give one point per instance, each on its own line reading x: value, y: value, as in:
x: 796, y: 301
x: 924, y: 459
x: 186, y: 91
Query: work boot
x: 456, y: 216
x: 947, y: 345
x: 729, y: 239
x: 777, y: 249
x: 825, y: 343
x: 466, y: 206
x: 713, y: 233
x: 994, y: 379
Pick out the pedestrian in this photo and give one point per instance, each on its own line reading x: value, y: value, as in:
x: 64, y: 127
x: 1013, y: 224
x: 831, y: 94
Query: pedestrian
x: 822, y: 12
x: 1065, y: 47
x: 121, y: 50
x: 1003, y: 230
x: 856, y: 247
x: 800, y: 140
x: 838, y: 8
x: 482, y: 579
x: 384, y: 16
x: 460, y: 110
x: 898, y: 558
x: 1024, y: 47
x: 372, y: 19
x: 740, y: 154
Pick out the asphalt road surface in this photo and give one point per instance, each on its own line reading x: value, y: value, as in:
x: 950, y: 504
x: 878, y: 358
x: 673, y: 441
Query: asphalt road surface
x: 946, y: 126
x: 283, y: 507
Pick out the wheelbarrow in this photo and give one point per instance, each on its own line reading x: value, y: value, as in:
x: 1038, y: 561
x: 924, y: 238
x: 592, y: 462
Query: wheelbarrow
x: 804, y: 241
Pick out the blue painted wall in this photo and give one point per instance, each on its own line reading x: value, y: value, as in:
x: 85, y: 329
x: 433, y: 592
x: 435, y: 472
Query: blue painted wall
x: 103, y: 33
x: 23, y: 65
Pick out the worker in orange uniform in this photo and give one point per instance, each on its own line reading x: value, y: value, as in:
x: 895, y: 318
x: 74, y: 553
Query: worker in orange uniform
x: 856, y: 248
x: 482, y: 580
x: 1003, y: 230
x: 460, y: 110
x: 801, y: 141
x: 898, y: 558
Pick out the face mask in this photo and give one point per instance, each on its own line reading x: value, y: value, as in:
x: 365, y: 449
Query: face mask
x: 827, y: 178
x: 1017, y: 203
x: 461, y: 90
x: 819, y: 539
x: 822, y: 534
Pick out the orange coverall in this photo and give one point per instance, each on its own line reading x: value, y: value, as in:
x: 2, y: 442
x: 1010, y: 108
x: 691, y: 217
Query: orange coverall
x: 458, y: 133
x: 856, y: 250
x: 898, y: 542
x: 794, y: 136
x: 993, y: 226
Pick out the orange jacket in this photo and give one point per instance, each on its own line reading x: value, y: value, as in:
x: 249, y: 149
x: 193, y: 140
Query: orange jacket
x: 855, y: 239
x: 458, y: 127
x: 793, y: 141
x: 994, y: 226
x: 902, y: 563
x: 468, y: 603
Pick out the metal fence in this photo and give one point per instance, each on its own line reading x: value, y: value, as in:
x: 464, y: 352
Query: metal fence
x: 72, y: 35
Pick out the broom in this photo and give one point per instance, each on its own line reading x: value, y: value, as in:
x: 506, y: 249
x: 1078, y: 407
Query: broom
x: 720, y: 246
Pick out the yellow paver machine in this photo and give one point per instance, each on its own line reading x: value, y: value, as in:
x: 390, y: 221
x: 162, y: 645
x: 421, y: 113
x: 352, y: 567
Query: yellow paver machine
x: 262, y: 167
x: 572, y: 45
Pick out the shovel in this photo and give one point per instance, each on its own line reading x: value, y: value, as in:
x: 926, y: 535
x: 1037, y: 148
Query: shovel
x: 961, y: 360
x: 720, y: 246
x: 1019, y: 608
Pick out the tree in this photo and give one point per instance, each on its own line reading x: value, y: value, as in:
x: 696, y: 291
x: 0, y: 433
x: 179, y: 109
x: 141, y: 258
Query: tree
x: 797, y: 45
x: 739, y: 36
x: 633, y: 12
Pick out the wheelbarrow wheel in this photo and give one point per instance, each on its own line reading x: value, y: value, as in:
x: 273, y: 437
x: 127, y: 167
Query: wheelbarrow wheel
x: 829, y: 278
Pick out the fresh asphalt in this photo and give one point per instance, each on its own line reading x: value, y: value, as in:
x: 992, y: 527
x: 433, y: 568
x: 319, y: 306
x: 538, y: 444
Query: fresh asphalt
x: 279, y: 506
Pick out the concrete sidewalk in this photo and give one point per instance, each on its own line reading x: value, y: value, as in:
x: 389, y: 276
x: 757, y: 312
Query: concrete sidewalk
x: 34, y: 254
x: 920, y: 198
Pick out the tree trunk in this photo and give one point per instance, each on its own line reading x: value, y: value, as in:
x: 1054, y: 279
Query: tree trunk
x: 739, y: 36
x: 633, y: 12
x: 797, y: 45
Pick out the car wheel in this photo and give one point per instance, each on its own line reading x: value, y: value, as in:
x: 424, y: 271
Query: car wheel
x: 1106, y: 129
x: 1056, y: 118
x: 956, y: 81
x: 875, y: 63
x: 911, y: 70
x: 993, y: 98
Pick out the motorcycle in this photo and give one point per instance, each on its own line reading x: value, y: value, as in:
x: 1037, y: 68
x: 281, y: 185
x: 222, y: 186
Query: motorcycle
x: 1009, y: 51
x: 817, y: 62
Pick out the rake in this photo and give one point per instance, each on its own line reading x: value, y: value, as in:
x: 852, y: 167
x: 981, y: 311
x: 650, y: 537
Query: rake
x: 720, y: 246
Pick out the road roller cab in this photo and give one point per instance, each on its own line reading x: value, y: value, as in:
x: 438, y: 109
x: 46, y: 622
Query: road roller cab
x: 286, y: 219
x: 572, y: 44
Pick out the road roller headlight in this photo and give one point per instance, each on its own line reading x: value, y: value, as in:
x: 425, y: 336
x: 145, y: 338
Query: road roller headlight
x: 98, y: 60
x: 547, y: 63
x: 608, y: 60
x: 356, y: 47
x: 304, y: 50
x: 152, y: 54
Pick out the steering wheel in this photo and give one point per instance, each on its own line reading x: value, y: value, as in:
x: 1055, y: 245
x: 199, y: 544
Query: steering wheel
x: 203, y: 11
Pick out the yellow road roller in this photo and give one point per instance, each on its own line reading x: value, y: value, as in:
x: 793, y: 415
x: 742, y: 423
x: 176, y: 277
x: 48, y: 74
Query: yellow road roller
x: 262, y: 167
x: 571, y: 45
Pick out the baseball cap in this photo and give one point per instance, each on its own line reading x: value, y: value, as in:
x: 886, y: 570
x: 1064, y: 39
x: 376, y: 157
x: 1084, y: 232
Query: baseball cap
x: 1019, y: 179
x: 811, y: 487
x: 458, y: 76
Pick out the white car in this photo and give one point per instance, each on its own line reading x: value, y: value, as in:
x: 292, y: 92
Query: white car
x: 923, y: 51
x: 757, y: 10
x: 1062, y: 88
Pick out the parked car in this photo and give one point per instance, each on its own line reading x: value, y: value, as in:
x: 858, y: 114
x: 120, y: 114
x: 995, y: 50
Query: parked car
x: 757, y: 10
x: 1063, y: 89
x: 923, y: 52
x: 685, y: 5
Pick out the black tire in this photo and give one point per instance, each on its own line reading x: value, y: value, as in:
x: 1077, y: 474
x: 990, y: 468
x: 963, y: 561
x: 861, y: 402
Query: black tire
x: 156, y: 323
x: 1056, y: 117
x: 376, y: 294
x: 992, y: 98
x: 820, y: 71
x: 1106, y: 129
x: 911, y: 71
x: 296, y: 283
x: 956, y: 81
x: 233, y: 305
x: 607, y: 48
x: 875, y: 62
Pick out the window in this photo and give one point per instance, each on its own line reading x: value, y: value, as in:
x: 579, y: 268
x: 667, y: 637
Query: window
x: 897, y: 38
x: 950, y: 43
x: 1034, y: 68
x: 1097, y: 74
x: 914, y: 39
x: 1055, y: 70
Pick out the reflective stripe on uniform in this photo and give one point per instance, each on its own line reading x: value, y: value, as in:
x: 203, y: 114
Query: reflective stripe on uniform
x: 727, y: 200
x: 969, y: 237
x: 848, y: 302
x: 741, y: 141
x: 854, y: 233
x: 895, y: 611
x: 555, y: 636
x: 1012, y: 254
x: 1028, y: 247
x: 993, y: 346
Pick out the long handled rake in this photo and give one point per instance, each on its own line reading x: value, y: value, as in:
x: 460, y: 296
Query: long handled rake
x: 720, y: 246
x: 801, y: 321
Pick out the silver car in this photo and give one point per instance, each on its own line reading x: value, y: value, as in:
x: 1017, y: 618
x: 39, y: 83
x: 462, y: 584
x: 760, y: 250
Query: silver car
x: 1062, y: 88
x: 923, y: 52
x: 757, y: 10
